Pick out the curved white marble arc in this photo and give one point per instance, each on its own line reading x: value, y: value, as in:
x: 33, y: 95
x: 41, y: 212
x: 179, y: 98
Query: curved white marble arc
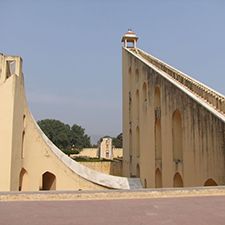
x: 105, y: 180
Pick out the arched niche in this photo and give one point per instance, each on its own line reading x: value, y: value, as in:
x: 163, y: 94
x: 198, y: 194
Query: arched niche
x: 158, y: 178
x: 23, y: 145
x: 177, y: 180
x: 137, y: 75
x: 23, y: 180
x: 138, y: 170
x: 157, y: 97
x: 177, y: 135
x: 145, y: 183
x: 24, y: 121
x: 158, y: 139
x: 130, y: 109
x: 138, y: 141
x: 48, y: 181
x: 130, y: 79
x: 144, y: 92
x: 130, y: 143
x: 210, y: 182
x: 137, y: 104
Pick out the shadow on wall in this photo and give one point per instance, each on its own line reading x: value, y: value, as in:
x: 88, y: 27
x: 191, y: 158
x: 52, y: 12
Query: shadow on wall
x: 116, y: 168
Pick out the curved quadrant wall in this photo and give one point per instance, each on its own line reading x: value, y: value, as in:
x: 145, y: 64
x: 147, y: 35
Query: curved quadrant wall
x: 30, y: 161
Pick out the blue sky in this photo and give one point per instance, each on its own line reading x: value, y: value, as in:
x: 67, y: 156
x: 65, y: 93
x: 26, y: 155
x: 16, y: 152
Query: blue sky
x: 72, y: 51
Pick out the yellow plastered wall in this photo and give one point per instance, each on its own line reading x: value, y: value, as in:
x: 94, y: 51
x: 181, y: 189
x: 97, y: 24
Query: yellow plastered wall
x: 29, y: 161
x: 195, y: 133
x: 112, y: 168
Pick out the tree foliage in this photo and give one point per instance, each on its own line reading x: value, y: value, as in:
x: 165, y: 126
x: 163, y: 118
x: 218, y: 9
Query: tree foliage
x: 118, y: 141
x: 64, y: 136
x: 78, y: 138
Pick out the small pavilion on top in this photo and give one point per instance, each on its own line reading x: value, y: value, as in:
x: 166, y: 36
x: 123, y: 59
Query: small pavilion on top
x: 129, y: 36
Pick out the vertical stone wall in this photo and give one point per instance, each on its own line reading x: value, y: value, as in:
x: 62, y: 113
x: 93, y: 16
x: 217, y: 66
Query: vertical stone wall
x: 171, y: 137
x: 112, y: 168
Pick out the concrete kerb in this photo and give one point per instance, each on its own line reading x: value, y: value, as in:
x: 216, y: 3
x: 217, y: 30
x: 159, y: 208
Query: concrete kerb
x: 112, y: 194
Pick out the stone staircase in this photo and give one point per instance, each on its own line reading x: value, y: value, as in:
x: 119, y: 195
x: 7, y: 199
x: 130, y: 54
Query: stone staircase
x: 211, y: 97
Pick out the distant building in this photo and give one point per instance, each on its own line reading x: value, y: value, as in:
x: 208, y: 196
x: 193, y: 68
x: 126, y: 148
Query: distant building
x: 106, y: 150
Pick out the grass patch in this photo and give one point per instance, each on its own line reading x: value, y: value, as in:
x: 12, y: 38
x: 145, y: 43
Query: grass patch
x: 69, y: 151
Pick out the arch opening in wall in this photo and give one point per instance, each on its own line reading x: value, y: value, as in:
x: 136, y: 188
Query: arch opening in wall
x: 158, y: 178
x: 48, y: 181
x: 210, y: 182
x: 138, y: 141
x: 138, y: 171
x: 177, y: 180
x: 130, y: 79
x: 10, y: 68
x: 130, y: 109
x: 145, y: 183
x: 158, y: 139
x: 137, y: 75
x: 144, y: 92
x: 107, y: 154
x: 23, y: 180
x: 177, y: 136
x: 130, y: 143
x: 24, y: 121
x: 137, y: 104
x: 23, y: 145
x: 157, y: 97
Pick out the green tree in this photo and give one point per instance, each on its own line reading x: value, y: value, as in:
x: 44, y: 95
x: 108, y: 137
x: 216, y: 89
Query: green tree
x: 64, y: 136
x: 78, y: 138
x: 118, y: 141
x: 56, y: 131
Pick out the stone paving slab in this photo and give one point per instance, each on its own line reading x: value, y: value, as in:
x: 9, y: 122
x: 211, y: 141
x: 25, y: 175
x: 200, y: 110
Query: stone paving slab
x: 202, y: 210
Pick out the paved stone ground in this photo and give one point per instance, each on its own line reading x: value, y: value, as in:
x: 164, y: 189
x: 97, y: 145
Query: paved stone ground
x: 178, y: 210
x: 112, y: 194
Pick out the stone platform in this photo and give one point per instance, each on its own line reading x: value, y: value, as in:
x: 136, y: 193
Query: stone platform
x: 149, y: 206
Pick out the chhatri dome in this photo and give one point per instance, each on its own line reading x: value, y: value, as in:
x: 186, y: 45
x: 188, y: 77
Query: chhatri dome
x: 129, y: 36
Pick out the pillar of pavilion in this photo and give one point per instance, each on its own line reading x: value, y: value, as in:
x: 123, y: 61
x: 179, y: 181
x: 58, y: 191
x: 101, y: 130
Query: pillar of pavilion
x: 129, y: 36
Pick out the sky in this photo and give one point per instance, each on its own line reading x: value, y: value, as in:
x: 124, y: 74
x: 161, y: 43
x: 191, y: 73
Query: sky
x: 72, y: 51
